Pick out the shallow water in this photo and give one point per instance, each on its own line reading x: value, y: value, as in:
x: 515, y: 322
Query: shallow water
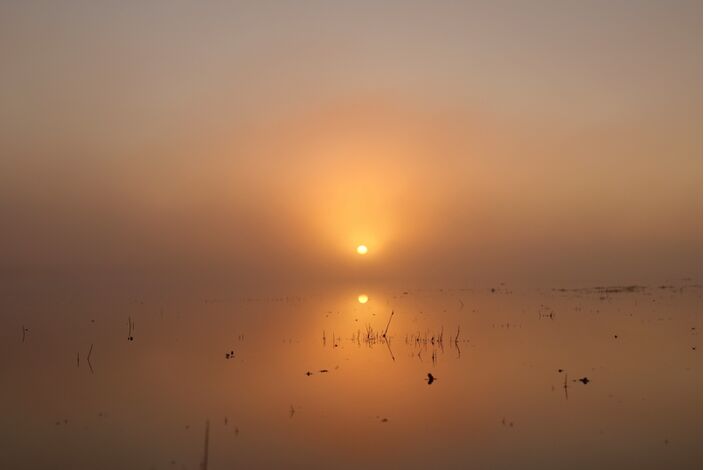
x: 506, y: 392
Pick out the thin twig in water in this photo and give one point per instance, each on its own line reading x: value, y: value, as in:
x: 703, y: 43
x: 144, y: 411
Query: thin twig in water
x: 388, y: 345
x: 457, y: 338
x: 90, y: 351
x: 204, y: 465
x: 389, y: 323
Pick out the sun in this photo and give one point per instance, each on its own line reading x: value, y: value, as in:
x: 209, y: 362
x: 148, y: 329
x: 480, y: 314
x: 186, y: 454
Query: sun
x: 362, y: 249
x: 363, y: 299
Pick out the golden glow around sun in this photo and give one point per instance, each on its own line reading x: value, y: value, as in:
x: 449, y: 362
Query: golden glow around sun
x: 362, y: 249
x: 363, y: 298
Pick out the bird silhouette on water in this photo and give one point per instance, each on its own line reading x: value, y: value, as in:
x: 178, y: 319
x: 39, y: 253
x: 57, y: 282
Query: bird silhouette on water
x: 431, y: 379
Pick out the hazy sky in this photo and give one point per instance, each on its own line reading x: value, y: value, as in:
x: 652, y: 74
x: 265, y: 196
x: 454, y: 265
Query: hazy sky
x: 462, y: 141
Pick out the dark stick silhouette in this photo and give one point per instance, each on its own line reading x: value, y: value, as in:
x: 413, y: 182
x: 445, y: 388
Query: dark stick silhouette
x: 204, y: 465
x: 90, y: 351
x: 388, y: 345
x: 387, y: 325
x: 130, y: 326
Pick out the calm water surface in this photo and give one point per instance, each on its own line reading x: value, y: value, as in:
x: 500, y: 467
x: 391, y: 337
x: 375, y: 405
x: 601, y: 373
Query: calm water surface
x: 313, y: 383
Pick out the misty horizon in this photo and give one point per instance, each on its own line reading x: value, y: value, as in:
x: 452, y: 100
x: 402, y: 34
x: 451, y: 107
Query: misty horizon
x: 137, y: 143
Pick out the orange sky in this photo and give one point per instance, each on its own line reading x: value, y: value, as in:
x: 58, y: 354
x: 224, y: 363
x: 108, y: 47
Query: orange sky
x: 462, y: 142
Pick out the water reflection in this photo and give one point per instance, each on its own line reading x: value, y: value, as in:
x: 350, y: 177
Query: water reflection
x: 578, y: 378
